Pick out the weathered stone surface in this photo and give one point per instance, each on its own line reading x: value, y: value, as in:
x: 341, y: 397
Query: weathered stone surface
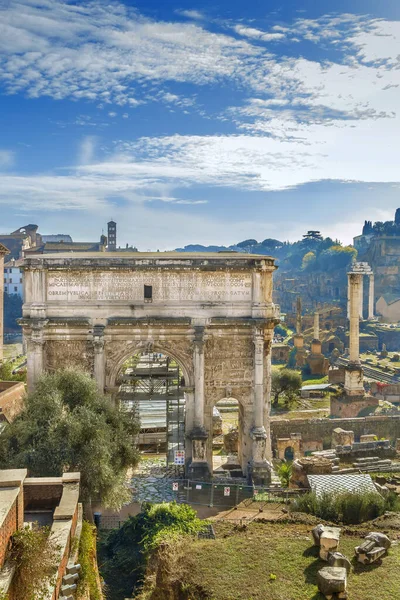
x: 337, y: 559
x: 370, y: 556
x: 212, y: 313
x: 308, y: 465
x: 380, y: 539
x: 329, y: 541
x: 316, y: 533
x: 332, y: 580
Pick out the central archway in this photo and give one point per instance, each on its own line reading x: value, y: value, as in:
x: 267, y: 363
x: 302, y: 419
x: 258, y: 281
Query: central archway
x: 153, y: 384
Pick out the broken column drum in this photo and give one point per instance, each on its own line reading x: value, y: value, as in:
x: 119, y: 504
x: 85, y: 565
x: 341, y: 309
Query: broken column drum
x: 211, y: 313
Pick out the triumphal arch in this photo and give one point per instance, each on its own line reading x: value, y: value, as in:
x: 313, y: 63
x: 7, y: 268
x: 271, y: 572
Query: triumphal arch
x: 212, y: 313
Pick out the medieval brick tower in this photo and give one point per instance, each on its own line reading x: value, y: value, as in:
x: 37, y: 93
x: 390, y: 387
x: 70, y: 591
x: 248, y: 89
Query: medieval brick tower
x: 112, y: 236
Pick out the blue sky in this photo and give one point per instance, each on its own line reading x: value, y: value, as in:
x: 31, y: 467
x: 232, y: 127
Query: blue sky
x: 199, y: 122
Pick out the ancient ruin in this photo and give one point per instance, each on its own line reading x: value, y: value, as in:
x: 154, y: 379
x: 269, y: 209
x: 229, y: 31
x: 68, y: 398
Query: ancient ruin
x: 212, y: 313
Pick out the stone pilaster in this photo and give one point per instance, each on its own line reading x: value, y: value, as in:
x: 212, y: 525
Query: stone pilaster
x: 35, y: 353
x: 371, y: 296
x: 198, y: 468
x: 99, y: 357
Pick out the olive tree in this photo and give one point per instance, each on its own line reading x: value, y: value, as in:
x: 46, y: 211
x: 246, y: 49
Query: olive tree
x: 68, y: 425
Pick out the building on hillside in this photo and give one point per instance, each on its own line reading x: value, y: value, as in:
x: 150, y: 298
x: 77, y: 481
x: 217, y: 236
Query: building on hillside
x: 20, y: 240
x: 58, y: 237
x: 61, y: 246
x: 388, y: 306
x: 43, y: 501
x: 13, y: 277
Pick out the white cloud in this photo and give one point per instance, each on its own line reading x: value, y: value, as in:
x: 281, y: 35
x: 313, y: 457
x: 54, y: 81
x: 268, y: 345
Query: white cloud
x: 87, y: 149
x: 191, y: 14
x: 257, y: 34
x: 105, y: 52
x: 7, y: 158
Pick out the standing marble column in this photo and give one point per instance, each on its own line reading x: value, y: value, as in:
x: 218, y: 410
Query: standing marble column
x: 353, y: 373
x: 371, y: 296
x: 259, y: 467
x: 316, y: 326
x: 348, y: 298
x: 361, y: 298
x: 99, y: 357
x: 198, y: 468
x: 356, y: 289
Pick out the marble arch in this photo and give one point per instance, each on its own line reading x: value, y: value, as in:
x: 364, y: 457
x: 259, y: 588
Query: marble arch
x: 213, y: 313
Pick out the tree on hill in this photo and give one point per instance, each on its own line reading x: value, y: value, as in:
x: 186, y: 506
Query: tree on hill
x: 336, y: 257
x: 247, y: 243
x: 67, y: 425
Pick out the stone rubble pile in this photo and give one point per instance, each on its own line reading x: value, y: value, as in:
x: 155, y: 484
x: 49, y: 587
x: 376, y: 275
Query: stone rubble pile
x: 374, y: 463
x: 332, y: 579
x: 373, y: 548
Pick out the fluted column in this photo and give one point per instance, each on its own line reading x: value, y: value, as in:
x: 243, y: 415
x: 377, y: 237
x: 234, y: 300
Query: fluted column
x: 198, y: 364
x: 258, y: 406
x: 371, y: 296
x: 99, y: 357
x: 198, y: 467
x: 361, y: 298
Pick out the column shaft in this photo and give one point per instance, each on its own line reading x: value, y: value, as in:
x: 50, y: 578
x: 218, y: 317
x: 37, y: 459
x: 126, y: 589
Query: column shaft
x: 198, y: 359
x: 361, y: 297
x: 355, y: 280
x: 259, y: 380
x: 371, y: 296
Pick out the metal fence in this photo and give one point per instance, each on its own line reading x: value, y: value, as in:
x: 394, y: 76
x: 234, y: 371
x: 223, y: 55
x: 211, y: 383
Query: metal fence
x: 211, y: 494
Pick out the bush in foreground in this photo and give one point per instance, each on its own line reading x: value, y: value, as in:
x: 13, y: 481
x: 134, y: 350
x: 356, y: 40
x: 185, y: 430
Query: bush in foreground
x: 126, y: 551
x: 347, y: 508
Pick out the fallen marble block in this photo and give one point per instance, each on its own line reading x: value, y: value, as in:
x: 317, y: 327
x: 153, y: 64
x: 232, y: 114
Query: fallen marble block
x: 380, y: 539
x: 316, y: 533
x: 332, y: 580
x: 337, y: 559
x: 329, y: 541
x: 369, y: 552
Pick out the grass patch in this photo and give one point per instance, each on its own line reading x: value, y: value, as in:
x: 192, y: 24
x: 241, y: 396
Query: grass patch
x: 239, y: 565
x: 88, y: 584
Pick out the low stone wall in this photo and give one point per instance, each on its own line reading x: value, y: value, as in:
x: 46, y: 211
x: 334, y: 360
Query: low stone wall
x: 11, y: 399
x: 387, y: 427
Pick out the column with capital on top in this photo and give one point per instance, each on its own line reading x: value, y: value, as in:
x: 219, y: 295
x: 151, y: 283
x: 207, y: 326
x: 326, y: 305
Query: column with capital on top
x: 259, y: 467
x: 198, y: 468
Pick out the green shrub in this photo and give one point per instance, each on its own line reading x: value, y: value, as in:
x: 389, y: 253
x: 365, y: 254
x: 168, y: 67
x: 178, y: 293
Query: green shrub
x: 284, y: 472
x: 126, y: 551
x: 348, y: 508
x: 88, y: 581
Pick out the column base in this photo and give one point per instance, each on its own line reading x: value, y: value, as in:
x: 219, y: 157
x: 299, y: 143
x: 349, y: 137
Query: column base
x: 198, y: 467
x: 260, y: 473
x: 353, y: 380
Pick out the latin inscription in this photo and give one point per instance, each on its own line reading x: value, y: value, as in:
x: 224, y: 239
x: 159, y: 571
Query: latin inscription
x: 128, y: 286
